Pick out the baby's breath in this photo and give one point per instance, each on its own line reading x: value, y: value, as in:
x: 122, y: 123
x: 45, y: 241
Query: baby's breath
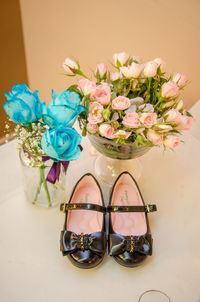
x: 28, y: 142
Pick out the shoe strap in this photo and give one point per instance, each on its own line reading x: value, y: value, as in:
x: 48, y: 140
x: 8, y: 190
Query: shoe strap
x: 147, y: 208
x: 82, y: 206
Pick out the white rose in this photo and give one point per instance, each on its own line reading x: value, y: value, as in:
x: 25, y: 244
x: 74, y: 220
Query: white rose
x: 132, y: 71
x: 137, y: 59
x: 163, y: 128
x: 147, y: 107
x: 161, y: 63
x: 150, y: 69
x: 120, y: 58
x: 114, y: 76
x: 137, y: 101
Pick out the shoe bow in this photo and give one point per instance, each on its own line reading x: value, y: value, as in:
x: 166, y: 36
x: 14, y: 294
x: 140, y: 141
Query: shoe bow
x: 71, y: 242
x: 120, y: 244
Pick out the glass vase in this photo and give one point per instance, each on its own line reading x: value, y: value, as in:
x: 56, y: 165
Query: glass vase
x: 154, y: 296
x: 116, y: 158
x: 37, y: 189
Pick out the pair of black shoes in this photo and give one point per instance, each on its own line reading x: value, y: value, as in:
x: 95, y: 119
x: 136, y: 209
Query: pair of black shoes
x: 84, y: 238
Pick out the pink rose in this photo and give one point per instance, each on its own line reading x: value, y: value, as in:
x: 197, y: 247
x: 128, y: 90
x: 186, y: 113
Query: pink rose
x: 106, y: 130
x: 171, y: 141
x: 169, y: 89
x: 150, y: 69
x: 179, y: 78
x: 173, y: 116
x: 148, y: 119
x: 95, y: 118
x: 101, y: 70
x: 95, y: 106
x: 92, y: 128
x: 131, y: 120
x: 95, y: 115
x: 87, y: 87
x: 154, y: 137
x: 121, y: 103
x: 179, y: 105
x: 122, y: 134
x: 102, y: 94
x: 185, y: 122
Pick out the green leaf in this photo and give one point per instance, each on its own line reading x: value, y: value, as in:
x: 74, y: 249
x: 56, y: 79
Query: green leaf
x: 69, y: 75
x: 139, y: 141
x: 74, y: 88
x: 106, y: 114
x: 116, y: 82
x: 118, y: 64
x: 189, y: 114
x: 174, y: 131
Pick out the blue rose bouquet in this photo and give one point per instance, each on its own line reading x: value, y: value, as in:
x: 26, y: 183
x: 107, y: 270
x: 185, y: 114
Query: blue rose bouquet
x: 45, y: 132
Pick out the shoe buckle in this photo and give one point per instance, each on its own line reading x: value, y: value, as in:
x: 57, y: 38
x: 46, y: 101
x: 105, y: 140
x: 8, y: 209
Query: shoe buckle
x: 148, y: 208
x: 64, y: 207
x: 132, y: 244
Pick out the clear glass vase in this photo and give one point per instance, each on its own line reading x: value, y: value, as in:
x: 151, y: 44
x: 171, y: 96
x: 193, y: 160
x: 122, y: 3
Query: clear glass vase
x: 37, y: 189
x: 116, y: 158
x: 154, y: 296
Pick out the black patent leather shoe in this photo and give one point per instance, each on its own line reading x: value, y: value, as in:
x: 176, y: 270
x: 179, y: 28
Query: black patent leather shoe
x: 83, y: 238
x: 130, y: 240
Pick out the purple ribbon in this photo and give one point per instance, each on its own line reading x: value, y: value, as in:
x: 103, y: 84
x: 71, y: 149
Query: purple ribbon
x: 54, y: 172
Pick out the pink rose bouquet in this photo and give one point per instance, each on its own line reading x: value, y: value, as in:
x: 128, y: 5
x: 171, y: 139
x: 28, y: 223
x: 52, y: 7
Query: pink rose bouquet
x: 136, y: 103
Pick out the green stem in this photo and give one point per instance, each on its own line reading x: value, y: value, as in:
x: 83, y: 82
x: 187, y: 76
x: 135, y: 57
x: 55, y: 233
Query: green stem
x: 129, y: 88
x: 149, y: 86
x: 39, y: 186
x: 158, y: 103
x: 46, y: 187
x: 81, y: 73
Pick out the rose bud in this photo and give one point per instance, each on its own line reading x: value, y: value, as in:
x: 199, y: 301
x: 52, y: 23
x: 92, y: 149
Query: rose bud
x: 161, y: 64
x: 171, y: 141
x: 169, y: 89
x: 179, y: 78
x: 101, y: 71
x: 150, y: 69
x: 70, y: 66
x: 120, y: 59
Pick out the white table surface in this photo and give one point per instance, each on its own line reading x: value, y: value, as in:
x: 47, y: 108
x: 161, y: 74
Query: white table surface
x: 33, y: 269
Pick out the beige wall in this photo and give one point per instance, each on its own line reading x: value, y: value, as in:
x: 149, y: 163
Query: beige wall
x: 92, y: 30
x: 12, y: 56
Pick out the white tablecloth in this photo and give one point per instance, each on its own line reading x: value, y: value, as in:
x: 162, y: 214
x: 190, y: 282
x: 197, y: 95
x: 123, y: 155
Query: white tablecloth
x: 33, y: 269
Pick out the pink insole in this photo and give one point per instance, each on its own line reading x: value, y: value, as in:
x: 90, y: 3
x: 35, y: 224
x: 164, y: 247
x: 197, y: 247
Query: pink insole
x: 85, y: 221
x: 127, y: 194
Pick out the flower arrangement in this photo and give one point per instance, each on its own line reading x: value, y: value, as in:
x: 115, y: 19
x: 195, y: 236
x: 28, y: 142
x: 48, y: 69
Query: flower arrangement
x: 45, y: 132
x: 138, y: 103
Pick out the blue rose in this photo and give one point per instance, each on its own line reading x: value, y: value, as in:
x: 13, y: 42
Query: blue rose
x: 63, y: 109
x: 22, y: 105
x: 61, y: 143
